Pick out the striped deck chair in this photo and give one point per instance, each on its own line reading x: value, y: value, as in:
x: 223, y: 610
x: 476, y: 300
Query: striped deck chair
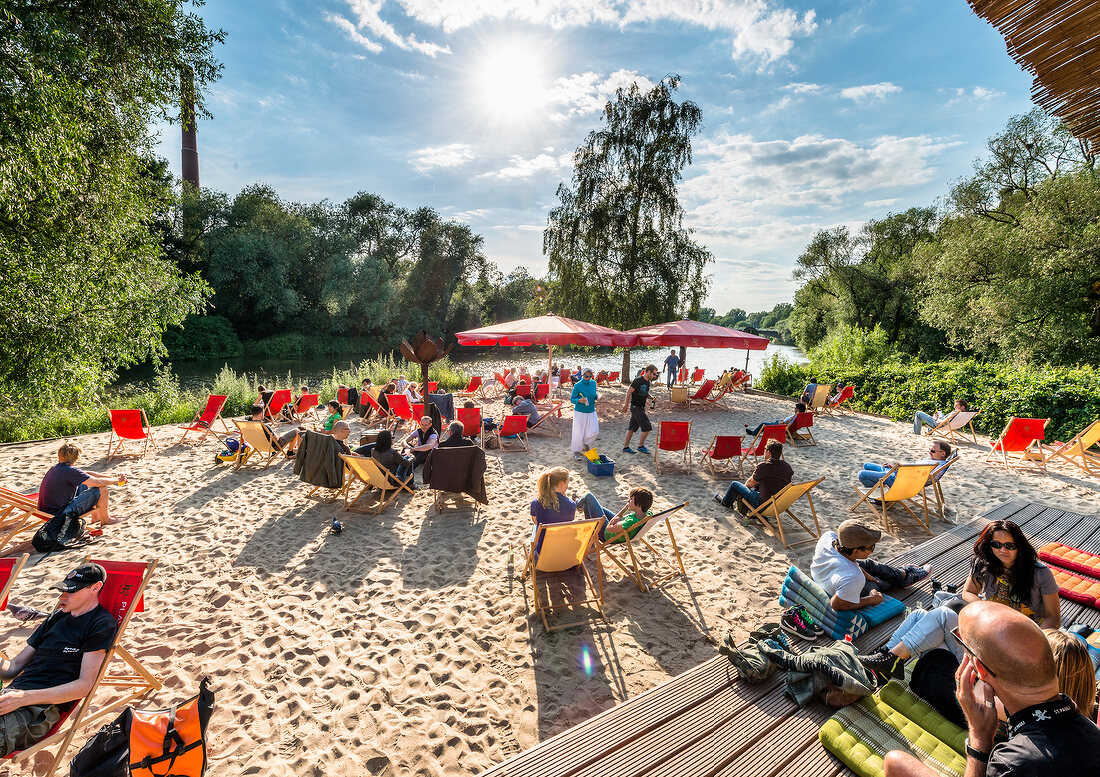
x: 907, y: 482
x: 624, y: 548
x: 204, y: 420
x: 780, y: 504
x: 546, y: 420
x: 18, y: 513
x: 129, y: 425
x: 401, y: 408
x: 513, y: 428
x: 760, y: 442
x: 799, y: 429
x: 697, y: 375
x: 673, y: 437
x: 724, y: 447
x: 278, y: 402
x: 122, y: 596
x: 562, y: 547
x: 360, y: 469
x: 1023, y: 436
x: 260, y: 441
x: 820, y: 399
x: 473, y: 388
x: 840, y: 406
x: 472, y: 426
x: 1079, y: 451
x: 703, y: 392
x: 677, y: 395
x: 954, y: 426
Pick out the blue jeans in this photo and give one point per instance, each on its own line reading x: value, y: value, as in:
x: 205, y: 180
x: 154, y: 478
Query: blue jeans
x: 888, y: 577
x: 872, y: 473
x: 739, y: 489
x: 926, y: 630
x: 671, y: 378
x: 756, y: 429
x: 85, y: 501
x: 921, y: 420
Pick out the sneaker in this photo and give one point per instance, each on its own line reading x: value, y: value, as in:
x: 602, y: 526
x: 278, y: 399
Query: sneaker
x: 884, y: 664
x: 792, y: 623
x: 948, y: 587
x: 643, y: 449
x: 914, y: 575
x: 629, y: 450
x: 809, y: 621
x: 578, y: 457
x: 718, y: 499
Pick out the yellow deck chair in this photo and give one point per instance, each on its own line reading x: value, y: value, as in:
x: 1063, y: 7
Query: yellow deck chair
x: 781, y: 503
x: 253, y: 433
x: 359, y: 469
x: 955, y: 426
x: 624, y: 550
x: 677, y: 395
x: 910, y: 481
x: 1077, y: 451
x: 563, y: 547
x: 820, y: 399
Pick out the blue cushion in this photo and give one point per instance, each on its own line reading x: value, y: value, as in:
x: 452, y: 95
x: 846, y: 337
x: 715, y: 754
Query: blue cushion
x: 799, y: 588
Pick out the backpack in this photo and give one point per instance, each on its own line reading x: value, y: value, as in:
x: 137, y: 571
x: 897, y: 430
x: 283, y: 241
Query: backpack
x: 150, y: 743
x: 62, y: 532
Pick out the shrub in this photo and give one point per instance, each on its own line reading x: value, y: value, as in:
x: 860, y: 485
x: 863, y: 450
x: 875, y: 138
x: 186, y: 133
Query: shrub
x: 781, y: 376
x: 202, y: 337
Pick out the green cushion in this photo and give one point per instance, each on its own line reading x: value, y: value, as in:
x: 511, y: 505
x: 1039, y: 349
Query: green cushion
x: 861, y: 734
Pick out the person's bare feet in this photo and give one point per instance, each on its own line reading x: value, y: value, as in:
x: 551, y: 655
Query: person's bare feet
x: 112, y: 521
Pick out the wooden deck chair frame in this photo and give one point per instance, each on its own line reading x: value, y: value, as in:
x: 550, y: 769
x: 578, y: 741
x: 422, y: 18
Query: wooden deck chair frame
x: 910, y: 481
x: 544, y: 609
x: 760, y: 441
x: 937, y: 490
x: 403, y: 403
x: 841, y: 406
x: 687, y: 462
x: 1032, y: 454
x: 678, y: 395
x: 1077, y: 451
x: 517, y: 435
x: 18, y: 513
x: 819, y: 401
x: 116, y: 443
x: 372, y: 475
x: 780, y: 504
x: 734, y: 459
x: 703, y: 391
x: 479, y: 434
x: 801, y: 434
x: 203, y: 427
x: 475, y: 387
x: 384, y: 415
x: 285, y: 394
x: 258, y: 443
x: 547, y: 417
x: 696, y: 375
x: 629, y: 563
x: 954, y: 425
x: 133, y: 686
x: 460, y: 499
x: 296, y: 408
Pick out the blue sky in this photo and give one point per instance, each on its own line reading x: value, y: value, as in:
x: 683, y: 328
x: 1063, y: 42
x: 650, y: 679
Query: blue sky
x: 816, y: 114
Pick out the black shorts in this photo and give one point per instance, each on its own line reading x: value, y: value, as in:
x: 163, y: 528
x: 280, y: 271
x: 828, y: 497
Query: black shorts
x: 639, y: 420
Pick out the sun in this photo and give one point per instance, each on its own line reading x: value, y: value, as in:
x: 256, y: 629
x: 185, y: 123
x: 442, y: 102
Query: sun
x: 510, y: 82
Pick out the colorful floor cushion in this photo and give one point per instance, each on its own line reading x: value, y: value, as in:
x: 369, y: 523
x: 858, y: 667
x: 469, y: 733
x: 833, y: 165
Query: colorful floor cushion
x: 799, y: 588
x: 1077, y: 587
x: 1074, y: 560
x: 861, y: 734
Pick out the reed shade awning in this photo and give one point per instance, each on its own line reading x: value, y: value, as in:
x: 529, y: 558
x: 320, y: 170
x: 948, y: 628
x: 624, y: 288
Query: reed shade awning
x: 1059, y: 42
x: 697, y: 334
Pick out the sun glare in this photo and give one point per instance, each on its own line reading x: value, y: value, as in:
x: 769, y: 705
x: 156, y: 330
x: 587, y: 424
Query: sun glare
x: 511, y: 83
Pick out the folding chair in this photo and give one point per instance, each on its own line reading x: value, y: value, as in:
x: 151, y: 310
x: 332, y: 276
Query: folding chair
x: 472, y: 425
x: 820, y: 399
x: 840, y: 406
x: 306, y: 405
x: 401, y: 408
x: 909, y: 482
x: 542, y: 391
x: 523, y: 390
x: 954, y: 425
x: 722, y: 392
x: 498, y: 386
x: 256, y: 436
x: 418, y: 410
x: 18, y: 513
x: 781, y: 503
x: 342, y: 395
x: 673, y: 436
x: 800, y: 422
x: 1023, y: 436
x: 760, y: 442
x: 129, y: 425
x: 431, y: 387
x: 469, y: 455
x: 633, y: 539
x: 612, y: 377
x: 204, y: 421
x: 359, y: 469
x: 677, y: 395
x: 724, y: 447
x: 546, y: 419
x: 1078, y: 450
x: 703, y: 392
x: 279, y: 400
x: 741, y: 379
x: 385, y: 416
x: 601, y: 378
x: 10, y: 568
x: 513, y: 427
x: 696, y: 376
x: 937, y: 475
x: 682, y: 376
x: 473, y: 388
x: 122, y: 596
x: 561, y: 548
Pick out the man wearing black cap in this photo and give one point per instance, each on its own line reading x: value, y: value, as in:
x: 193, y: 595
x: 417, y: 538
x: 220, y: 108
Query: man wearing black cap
x: 842, y: 566
x: 59, y: 664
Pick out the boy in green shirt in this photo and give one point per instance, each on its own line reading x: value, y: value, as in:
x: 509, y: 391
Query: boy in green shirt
x: 629, y: 518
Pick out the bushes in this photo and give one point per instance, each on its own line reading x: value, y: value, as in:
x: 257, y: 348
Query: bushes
x: 203, y: 337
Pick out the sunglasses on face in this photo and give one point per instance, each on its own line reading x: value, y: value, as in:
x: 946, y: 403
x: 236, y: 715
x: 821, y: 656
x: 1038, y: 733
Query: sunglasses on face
x: 998, y: 545
x: 971, y: 653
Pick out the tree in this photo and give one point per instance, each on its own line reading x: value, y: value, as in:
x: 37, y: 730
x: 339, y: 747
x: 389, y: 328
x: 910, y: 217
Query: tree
x: 617, y: 248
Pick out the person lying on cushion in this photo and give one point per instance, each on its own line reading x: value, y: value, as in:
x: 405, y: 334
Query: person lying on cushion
x: 842, y: 566
x: 628, y: 519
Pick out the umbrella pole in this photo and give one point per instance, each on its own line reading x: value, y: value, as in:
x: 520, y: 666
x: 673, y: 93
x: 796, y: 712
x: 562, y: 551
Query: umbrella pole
x: 550, y: 365
x: 746, y: 360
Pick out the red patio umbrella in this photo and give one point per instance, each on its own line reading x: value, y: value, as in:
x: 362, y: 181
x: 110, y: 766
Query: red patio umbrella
x: 696, y: 334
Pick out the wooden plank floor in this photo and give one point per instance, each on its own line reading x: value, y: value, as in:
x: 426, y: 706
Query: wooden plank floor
x: 708, y: 723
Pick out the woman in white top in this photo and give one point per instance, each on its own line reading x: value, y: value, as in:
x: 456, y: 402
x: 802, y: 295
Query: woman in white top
x: 411, y: 392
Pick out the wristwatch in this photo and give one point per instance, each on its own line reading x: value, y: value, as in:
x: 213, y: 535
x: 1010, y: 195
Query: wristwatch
x: 976, y: 754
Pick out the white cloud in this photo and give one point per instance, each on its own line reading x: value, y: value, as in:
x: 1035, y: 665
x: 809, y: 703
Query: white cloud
x: 781, y: 104
x: 870, y: 91
x: 451, y: 155
x: 368, y: 17
x: 588, y: 92
x: 977, y: 94
x: 519, y: 167
x: 886, y: 203
x: 802, y: 88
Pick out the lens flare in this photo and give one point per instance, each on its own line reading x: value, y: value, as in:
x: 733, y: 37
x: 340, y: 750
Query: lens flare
x: 587, y: 664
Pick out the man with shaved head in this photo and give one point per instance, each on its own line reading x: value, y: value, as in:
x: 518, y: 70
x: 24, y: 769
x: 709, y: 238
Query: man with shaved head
x: 1007, y: 657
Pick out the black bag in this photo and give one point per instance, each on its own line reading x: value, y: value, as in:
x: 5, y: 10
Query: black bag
x: 62, y: 532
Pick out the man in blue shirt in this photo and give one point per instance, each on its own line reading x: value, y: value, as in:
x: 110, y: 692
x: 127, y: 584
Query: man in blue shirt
x: 672, y: 364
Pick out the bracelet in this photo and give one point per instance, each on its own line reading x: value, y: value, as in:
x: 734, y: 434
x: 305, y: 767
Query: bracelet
x: 978, y: 755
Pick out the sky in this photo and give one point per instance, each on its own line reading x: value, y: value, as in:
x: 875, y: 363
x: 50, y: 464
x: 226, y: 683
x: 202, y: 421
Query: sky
x: 815, y: 114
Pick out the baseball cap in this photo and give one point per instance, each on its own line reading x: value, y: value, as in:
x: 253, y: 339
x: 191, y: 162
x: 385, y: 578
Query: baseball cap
x: 82, y: 577
x: 856, y: 534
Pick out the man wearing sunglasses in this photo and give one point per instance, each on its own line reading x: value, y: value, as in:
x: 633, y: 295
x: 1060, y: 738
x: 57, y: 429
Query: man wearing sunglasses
x: 842, y: 565
x: 1007, y: 657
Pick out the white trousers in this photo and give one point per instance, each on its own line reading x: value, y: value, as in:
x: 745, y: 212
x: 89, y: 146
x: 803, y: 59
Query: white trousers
x: 585, y: 429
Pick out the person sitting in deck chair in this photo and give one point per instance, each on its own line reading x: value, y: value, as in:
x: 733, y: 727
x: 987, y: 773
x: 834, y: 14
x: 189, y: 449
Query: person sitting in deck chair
x: 872, y: 473
x: 842, y: 566
x: 808, y: 392
x: 335, y: 413
x: 837, y: 389
x: 422, y: 441
x: 455, y: 439
x: 60, y: 663
x: 526, y: 407
x: 82, y: 492
x: 364, y: 408
x: 383, y: 453
x: 755, y: 430
x: 770, y: 477
x: 633, y: 512
x: 921, y: 420
x: 287, y: 440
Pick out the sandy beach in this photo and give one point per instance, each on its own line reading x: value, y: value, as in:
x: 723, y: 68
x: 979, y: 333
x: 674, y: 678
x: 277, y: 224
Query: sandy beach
x: 407, y: 645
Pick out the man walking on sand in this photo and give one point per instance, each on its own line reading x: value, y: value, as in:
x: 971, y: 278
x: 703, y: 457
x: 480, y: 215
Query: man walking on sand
x: 636, y: 397
x: 672, y: 364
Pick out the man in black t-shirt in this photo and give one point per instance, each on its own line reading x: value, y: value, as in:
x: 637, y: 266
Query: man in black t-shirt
x: 1007, y: 657
x: 59, y: 664
x: 636, y: 397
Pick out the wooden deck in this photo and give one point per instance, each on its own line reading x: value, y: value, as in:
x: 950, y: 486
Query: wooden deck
x: 708, y: 723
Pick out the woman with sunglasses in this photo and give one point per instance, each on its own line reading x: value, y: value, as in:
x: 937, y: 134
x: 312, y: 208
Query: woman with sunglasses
x: 1006, y: 569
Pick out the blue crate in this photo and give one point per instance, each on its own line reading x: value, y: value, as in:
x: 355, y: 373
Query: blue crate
x: 602, y: 469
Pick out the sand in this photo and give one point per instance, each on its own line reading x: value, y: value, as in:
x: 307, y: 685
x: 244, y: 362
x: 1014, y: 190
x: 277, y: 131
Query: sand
x: 407, y: 645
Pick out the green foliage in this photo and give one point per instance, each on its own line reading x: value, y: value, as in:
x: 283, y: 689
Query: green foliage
x: 206, y: 337
x: 782, y: 376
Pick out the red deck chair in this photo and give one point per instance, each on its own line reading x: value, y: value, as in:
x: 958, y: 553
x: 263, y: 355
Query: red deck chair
x: 697, y: 375
x: 513, y: 428
x: 523, y: 390
x: 724, y: 447
x: 305, y: 405
x: 10, y: 568
x: 1023, y: 436
x: 741, y: 379
x: 703, y: 392
x: 674, y: 437
x: 763, y: 437
x: 721, y: 396
x: 601, y: 378
x: 279, y: 400
x: 802, y: 421
x: 129, y: 425
x: 418, y: 410
x: 470, y: 418
x: 542, y: 391
x: 342, y: 396
x: 203, y: 422
x: 383, y: 415
x: 846, y: 393
x: 401, y: 408
x: 613, y: 377
x: 433, y: 387
x: 682, y: 375
x: 473, y: 388
x: 498, y: 386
